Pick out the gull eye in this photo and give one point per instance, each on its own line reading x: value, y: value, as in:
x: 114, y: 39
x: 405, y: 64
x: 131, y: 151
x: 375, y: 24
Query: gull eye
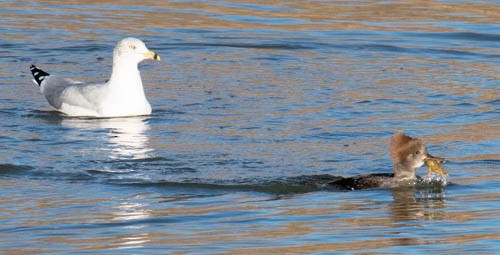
x: 417, y: 152
x: 132, y: 47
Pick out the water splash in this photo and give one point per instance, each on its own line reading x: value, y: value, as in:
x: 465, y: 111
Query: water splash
x: 435, y: 179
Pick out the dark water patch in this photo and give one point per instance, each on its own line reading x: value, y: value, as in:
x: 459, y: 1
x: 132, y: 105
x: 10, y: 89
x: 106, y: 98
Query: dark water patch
x: 11, y: 111
x: 236, y: 162
x: 342, y: 135
x: 214, y: 99
x: 465, y: 105
x: 457, y: 53
x: 96, y: 172
x: 193, y: 31
x: 178, y: 170
x: 249, y: 128
x: 261, y: 20
x: 364, y: 102
x: 495, y: 102
x: 384, y: 101
x: 466, y: 36
x: 25, y: 171
x: 193, y: 104
x: 60, y: 175
x: 6, y: 45
x: 461, y: 54
x: 280, y: 186
x: 272, y: 59
x: 159, y: 112
x: 9, y: 169
x: 273, y: 187
x: 339, y: 160
x: 90, y: 46
x: 438, y: 96
x: 51, y: 116
x: 377, y: 47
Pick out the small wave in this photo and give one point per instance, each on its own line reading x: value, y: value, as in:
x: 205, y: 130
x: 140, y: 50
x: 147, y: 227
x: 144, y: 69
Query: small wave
x: 469, y: 36
x: 14, y: 169
x: 413, y: 50
x: 280, y: 185
x: 267, y: 46
x: 32, y: 172
x: 290, y: 185
x: 139, y: 160
x: 51, y: 116
x: 495, y: 102
x: 273, y: 187
x: 90, y: 46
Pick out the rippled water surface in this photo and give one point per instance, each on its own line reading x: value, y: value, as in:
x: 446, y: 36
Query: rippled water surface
x: 253, y: 104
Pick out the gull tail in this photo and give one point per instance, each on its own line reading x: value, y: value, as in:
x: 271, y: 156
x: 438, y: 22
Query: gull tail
x: 38, y: 74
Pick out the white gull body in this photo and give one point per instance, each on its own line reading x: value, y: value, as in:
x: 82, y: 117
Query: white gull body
x: 123, y: 95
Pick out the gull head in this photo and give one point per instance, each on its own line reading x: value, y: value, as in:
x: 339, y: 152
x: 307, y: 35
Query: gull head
x: 133, y: 49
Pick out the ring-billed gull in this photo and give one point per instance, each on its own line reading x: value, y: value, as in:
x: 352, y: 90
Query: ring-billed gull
x: 123, y: 95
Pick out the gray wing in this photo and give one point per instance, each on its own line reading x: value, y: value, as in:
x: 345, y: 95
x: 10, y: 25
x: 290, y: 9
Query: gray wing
x: 63, y: 91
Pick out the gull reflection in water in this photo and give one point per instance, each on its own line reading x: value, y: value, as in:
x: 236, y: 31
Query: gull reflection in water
x: 131, y: 214
x: 120, y: 139
x: 127, y: 137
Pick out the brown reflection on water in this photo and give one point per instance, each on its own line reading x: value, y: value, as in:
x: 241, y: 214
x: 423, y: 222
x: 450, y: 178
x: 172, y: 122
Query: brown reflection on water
x: 289, y: 15
x: 132, y: 217
x: 407, y: 206
x: 371, y: 244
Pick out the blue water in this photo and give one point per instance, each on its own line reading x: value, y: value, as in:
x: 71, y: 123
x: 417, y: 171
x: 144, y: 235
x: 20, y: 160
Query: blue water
x: 253, y: 104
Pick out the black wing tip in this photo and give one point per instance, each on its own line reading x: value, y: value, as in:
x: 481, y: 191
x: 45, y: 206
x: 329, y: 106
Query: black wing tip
x: 38, y: 74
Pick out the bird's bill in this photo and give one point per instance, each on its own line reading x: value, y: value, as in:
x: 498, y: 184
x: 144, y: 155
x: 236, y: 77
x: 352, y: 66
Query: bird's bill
x: 152, y: 55
x: 434, y: 164
x: 439, y: 159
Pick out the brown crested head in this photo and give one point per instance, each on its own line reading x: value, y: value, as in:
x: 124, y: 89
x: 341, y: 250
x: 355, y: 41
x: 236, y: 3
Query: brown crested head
x: 399, y: 146
x: 407, y: 153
